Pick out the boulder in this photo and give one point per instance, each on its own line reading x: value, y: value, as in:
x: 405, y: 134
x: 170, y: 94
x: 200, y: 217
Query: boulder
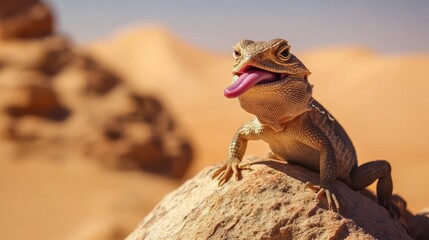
x: 417, y: 225
x: 269, y: 202
x: 24, y: 19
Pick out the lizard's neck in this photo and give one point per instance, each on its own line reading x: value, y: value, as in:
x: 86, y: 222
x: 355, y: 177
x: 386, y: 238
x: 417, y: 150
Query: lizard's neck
x: 277, y: 104
x: 281, y: 124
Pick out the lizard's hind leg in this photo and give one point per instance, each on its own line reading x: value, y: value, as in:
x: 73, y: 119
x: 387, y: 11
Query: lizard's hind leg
x: 362, y: 176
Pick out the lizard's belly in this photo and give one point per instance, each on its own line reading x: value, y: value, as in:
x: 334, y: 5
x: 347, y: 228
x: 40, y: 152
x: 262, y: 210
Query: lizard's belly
x: 296, y: 152
x: 299, y: 153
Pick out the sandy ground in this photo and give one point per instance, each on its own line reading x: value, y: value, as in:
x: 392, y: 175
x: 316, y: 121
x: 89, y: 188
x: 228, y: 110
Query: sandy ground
x: 47, y: 200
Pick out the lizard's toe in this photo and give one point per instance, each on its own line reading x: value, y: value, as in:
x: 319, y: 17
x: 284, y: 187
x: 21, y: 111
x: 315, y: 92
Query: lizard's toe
x: 225, y: 175
x: 329, y: 192
x: 228, y: 169
x: 219, y: 171
x: 394, y: 211
x: 312, y: 187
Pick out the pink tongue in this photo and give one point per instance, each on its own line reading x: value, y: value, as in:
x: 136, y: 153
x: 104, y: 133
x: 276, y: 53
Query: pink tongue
x: 246, y: 81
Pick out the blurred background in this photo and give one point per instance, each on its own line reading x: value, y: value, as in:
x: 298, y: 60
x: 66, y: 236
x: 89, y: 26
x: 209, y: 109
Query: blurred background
x: 105, y: 106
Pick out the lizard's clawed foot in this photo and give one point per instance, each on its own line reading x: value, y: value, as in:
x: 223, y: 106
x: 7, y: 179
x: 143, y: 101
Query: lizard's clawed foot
x: 393, y: 209
x: 231, y: 167
x: 398, y: 206
x: 327, y: 190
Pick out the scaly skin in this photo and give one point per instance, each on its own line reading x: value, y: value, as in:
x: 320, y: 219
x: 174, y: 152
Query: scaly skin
x: 297, y: 128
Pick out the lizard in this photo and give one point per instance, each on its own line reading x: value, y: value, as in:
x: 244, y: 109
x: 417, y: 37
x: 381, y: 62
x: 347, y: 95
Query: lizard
x: 272, y: 84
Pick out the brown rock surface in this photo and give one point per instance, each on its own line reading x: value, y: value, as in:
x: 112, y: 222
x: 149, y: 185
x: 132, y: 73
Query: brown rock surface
x: 268, y: 203
x: 417, y: 225
x: 23, y: 19
x: 8, y: 8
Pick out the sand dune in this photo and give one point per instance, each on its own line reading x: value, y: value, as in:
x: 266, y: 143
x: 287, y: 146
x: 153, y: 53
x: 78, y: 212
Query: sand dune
x: 380, y: 100
x: 163, y: 61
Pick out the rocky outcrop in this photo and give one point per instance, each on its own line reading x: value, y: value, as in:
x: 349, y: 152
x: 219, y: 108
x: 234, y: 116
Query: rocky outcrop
x: 25, y: 19
x: 59, y: 103
x: 63, y: 114
x: 268, y: 203
x: 417, y: 225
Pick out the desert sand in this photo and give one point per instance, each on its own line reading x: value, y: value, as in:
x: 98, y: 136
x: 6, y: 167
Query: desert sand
x: 64, y: 194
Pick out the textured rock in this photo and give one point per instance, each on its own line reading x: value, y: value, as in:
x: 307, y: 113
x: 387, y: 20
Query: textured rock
x: 417, y: 225
x: 23, y: 19
x: 268, y: 203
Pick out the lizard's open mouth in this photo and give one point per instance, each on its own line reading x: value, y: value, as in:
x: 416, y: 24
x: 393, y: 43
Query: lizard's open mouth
x: 249, y: 77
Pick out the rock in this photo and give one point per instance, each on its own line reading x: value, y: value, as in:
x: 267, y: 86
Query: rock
x: 59, y: 103
x: 417, y: 225
x: 39, y: 101
x: 48, y: 55
x: 23, y: 19
x: 269, y: 202
x: 99, y: 79
x: 8, y: 8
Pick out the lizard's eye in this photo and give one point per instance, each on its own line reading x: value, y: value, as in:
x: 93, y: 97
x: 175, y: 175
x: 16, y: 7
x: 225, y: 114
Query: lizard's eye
x: 236, y: 54
x: 284, y: 53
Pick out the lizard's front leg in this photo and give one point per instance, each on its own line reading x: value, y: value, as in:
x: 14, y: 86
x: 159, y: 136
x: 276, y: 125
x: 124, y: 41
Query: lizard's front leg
x: 237, y: 148
x: 314, y: 137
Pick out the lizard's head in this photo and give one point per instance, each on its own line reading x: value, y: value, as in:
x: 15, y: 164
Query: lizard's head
x: 269, y: 81
x: 263, y: 63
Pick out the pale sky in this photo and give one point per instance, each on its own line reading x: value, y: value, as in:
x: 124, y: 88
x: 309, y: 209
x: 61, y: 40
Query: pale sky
x: 385, y: 26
